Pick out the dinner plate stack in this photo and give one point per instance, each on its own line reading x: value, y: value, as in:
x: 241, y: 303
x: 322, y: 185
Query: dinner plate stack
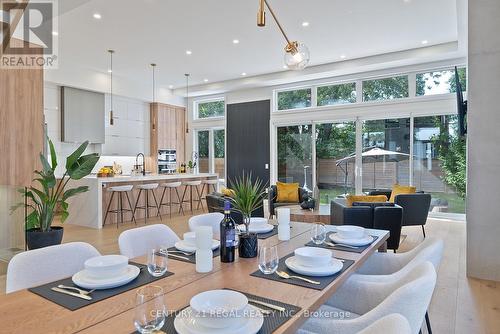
x: 221, y: 312
x: 188, y: 244
x: 313, y: 261
x: 257, y: 225
x: 351, y: 235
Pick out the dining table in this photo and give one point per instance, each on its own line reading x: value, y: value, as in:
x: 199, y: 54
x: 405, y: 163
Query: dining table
x: 26, y: 312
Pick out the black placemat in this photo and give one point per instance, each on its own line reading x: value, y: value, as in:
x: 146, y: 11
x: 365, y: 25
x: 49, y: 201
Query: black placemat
x: 191, y: 258
x: 74, y: 303
x: 269, y: 234
x: 359, y: 249
x: 325, y: 280
x: 271, y: 322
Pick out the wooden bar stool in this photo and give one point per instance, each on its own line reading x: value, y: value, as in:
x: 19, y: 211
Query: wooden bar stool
x: 171, y: 186
x: 147, y: 188
x: 206, y: 185
x: 119, y: 210
x: 191, y: 185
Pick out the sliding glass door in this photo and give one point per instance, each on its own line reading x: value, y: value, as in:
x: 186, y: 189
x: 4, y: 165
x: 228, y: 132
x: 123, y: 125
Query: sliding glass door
x: 210, y: 146
x: 203, y: 151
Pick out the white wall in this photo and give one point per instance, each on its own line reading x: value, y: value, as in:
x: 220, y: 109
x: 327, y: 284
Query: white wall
x: 483, y: 183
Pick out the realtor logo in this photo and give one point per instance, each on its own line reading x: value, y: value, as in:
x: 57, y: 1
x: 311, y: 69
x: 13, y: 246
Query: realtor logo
x: 28, y: 32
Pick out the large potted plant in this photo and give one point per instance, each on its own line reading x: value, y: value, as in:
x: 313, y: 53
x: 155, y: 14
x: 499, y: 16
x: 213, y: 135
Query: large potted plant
x: 50, y: 194
x: 247, y: 197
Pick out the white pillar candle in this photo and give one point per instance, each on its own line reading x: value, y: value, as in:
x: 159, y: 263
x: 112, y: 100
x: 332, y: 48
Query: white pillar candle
x: 204, y: 237
x: 283, y: 215
x: 204, y: 260
x: 204, y: 254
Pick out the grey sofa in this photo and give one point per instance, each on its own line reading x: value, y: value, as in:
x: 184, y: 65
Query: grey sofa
x: 273, y: 195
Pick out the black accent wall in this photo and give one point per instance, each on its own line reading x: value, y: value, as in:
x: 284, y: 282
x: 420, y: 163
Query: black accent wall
x: 248, y: 139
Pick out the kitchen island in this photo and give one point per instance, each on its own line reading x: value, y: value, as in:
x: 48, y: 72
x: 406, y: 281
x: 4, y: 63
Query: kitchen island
x: 88, y: 209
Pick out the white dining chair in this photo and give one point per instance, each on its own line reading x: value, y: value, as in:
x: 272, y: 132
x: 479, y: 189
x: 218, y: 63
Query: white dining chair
x: 39, y: 266
x: 212, y: 219
x: 391, y: 324
x: 137, y: 241
x: 356, y: 305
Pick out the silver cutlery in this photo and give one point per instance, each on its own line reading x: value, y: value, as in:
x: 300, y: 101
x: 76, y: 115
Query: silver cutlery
x: 340, y: 245
x: 74, y: 294
x: 178, y: 257
x: 181, y: 252
x: 261, y: 310
x: 271, y: 306
x: 285, y: 275
x: 81, y: 291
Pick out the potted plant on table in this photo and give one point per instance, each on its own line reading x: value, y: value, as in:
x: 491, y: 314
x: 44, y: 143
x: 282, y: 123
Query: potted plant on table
x: 247, y: 197
x: 51, y: 195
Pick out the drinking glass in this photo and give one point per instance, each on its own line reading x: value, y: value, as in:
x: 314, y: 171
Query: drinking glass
x: 150, y: 309
x: 157, y: 261
x: 268, y: 260
x: 318, y: 234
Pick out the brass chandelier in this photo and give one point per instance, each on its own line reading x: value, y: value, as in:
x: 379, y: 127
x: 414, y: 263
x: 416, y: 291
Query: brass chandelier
x: 296, y: 54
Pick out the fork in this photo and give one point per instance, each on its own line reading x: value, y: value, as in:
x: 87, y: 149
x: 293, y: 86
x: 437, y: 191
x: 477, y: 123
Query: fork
x: 285, y: 275
x: 181, y: 252
x: 80, y: 291
x: 340, y: 245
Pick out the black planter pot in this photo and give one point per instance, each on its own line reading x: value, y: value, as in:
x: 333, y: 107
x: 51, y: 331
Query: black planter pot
x: 248, y: 245
x: 35, y: 238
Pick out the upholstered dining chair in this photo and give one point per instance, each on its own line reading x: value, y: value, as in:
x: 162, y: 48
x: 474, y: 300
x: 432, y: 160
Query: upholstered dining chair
x: 39, y: 266
x: 391, y: 324
x: 356, y: 305
x: 137, y: 241
x: 212, y: 219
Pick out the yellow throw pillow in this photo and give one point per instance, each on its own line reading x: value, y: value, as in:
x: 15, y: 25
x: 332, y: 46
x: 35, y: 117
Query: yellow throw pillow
x: 227, y: 192
x: 287, y: 192
x: 397, y: 190
x: 365, y: 198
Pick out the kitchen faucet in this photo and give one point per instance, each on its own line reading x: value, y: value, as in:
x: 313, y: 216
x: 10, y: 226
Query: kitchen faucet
x: 143, y: 165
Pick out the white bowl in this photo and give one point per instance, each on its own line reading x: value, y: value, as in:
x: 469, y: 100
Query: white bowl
x: 258, y: 222
x: 190, y: 238
x: 218, y: 308
x: 313, y: 256
x: 350, y: 232
x: 106, y: 266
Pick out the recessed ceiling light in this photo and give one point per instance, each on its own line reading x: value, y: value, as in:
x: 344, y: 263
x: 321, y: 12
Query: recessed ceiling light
x: 97, y: 16
x: 189, y: 52
x: 305, y: 24
x: 244, y: 73
x: 236, y: 41
x: 110, y: 71
x: 206, y: 80
x: 425, y: 41
x: 55, y: 33
x: 170, y: 86
x: 285, y: 67
x: 342, y: 56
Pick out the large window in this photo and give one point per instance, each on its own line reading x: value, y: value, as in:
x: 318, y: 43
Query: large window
x: 219, y: 152
x: 295, y: 154
x: 439, y: 162
x: 203, y: 151
x: 336, y: 94
x: 294, y: 99
x: 440, y: 82
x: 385, y: 89
x: 386, y: 153
x: 210, y: 109
x: 335, y: 148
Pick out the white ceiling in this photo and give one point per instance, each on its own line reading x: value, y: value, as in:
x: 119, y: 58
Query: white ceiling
x: 160, y: 31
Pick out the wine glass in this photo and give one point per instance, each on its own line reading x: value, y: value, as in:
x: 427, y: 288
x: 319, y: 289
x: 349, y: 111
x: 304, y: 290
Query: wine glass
x: 150, y: 309
x: 268, y: 259
x: 318, y: 234
x: 157, y: 261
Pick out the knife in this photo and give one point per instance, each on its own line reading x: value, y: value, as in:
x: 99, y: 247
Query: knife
x: 271, y: 306
x: 178, y: 257
x: 74, y: 294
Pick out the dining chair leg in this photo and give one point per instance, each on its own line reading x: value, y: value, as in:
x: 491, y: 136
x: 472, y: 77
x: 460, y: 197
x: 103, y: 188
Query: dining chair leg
x: 423, y: 230
x: 156, y: 202
x: 428, y: 322
x: 180, y: 201
x: 109, y: 206
x: 131, y: 209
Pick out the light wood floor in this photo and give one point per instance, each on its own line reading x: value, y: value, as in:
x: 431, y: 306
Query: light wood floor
x: 460, y: 305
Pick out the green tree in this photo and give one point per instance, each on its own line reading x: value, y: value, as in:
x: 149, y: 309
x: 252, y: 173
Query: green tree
x: 337, y: 94
x: 203, y: 144
x: 300, y: 98
x: 385, y: 89
x: 211, y: 109
x: 335, y: 140
x: 219, y: 143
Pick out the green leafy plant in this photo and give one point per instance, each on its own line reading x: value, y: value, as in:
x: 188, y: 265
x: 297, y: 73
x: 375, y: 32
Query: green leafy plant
x: 51, y: 194
x: 248, y: 196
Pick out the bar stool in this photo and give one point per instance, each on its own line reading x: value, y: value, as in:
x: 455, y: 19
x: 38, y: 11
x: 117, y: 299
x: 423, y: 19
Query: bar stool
x: 191, y: 185
x: 171, y: 186
x: 119, y: 210
x: 207, y: 184
x: 147, y: 188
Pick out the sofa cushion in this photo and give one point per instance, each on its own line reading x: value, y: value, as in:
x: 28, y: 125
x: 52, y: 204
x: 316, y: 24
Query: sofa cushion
x: 287, y: 192
x: 227, y: 192
x: 373, y: 205
x: 364, y: 198
x: 398, y: 189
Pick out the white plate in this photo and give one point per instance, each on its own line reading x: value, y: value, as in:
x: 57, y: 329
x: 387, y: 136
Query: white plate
x: 332, y: 268
x: 83, y: 280
x: 181, y: 245
x: 258, y: 221
x: 260, y: 229
x: 185, y: 324
x: 352, y: 242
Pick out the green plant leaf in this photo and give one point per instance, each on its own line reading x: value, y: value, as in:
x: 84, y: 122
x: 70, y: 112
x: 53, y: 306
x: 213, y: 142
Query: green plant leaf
x: 64, y: 215
x: 83, y: 166
x: 41, y: 195
x: 33, y: 221
x: 45, y: 163
x: 72, y: 192
x: 53, y: 155
x: 73, y: 158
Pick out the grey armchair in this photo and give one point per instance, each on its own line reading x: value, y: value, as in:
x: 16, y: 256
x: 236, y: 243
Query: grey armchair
x: 273, y: 195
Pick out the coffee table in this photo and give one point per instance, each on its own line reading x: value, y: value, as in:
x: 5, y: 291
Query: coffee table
x: 297, y: 214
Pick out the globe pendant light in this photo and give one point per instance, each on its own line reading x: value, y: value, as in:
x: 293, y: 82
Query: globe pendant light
x: 296, y: 54
x: 111, y: 120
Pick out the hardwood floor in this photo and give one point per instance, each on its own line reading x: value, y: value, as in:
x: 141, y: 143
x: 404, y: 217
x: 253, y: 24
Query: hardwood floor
x: 460, y: 305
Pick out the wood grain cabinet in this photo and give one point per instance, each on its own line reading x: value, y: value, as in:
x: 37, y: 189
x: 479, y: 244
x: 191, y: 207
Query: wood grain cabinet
x: 167, y: 130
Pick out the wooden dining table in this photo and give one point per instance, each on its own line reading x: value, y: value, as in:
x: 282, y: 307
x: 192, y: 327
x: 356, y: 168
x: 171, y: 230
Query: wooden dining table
x: 25, y: 312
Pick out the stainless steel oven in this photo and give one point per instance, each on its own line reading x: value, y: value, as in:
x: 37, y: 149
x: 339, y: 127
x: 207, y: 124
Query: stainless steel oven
x: 167, y: 161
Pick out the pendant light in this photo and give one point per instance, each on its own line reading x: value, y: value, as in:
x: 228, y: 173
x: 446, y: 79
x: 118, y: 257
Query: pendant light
x: 111, y: 120
x: 296, y: 53
x: 153, y: 66
x: 187, y: 100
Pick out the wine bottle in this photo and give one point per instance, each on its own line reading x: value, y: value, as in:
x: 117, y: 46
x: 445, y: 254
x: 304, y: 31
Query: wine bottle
x: 227, y: 235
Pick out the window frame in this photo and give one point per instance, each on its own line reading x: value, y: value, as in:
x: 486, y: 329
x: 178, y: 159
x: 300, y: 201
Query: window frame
x: 197, y: 102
